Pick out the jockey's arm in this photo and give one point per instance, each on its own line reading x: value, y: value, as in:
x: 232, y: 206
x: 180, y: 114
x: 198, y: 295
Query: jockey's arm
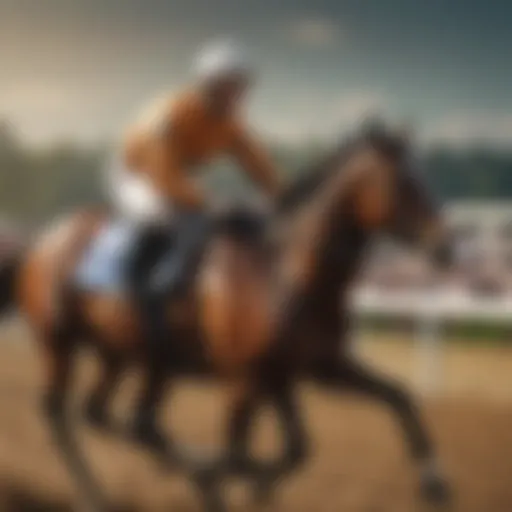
x: 257, y: 163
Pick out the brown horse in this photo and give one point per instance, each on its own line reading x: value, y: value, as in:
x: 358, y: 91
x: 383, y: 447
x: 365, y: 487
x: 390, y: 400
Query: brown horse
x: 261, y: 312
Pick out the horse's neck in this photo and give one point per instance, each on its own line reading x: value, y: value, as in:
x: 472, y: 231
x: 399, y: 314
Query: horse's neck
x: 330, y: 242
x: 337, y: 270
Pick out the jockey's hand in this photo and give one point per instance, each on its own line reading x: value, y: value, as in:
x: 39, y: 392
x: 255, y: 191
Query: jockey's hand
x: 218, y: 207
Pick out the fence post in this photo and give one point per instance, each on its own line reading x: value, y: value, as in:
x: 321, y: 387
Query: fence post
x: 429, y: 347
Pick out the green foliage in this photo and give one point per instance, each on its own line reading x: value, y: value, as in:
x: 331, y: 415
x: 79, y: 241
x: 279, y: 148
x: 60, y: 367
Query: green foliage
x: 38, y: 184
x: 474, y: 330
x: 473, y: 174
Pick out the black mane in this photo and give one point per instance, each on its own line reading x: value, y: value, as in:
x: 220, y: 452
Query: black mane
x: 373, y: 132
x: 310, y: 179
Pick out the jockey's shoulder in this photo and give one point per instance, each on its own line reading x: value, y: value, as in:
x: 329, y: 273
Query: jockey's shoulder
x: 149, y: 120
x: 175, y: 108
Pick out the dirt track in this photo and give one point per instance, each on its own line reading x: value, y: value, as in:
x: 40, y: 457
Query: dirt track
x: 359, y: 462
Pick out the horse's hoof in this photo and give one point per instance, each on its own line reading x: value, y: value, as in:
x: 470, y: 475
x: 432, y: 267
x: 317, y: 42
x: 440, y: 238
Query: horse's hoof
x: 205, y: 476
x: 263, y: 494
x: 265, y: 488
x: 96, y: 416
x: 167, y: 461
x: 151, y: 439
x: 94, y: 505
x: 208, y: 482
x: 210, y: 486
x: 436, y: 490
x: 148, y: 435
x: 214, y: 504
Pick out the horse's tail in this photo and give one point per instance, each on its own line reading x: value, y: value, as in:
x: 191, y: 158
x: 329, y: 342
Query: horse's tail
x: 12, y: 248
x: 8, y: 273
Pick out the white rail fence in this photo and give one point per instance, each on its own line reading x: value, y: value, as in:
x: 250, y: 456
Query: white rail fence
x: 431, y: 310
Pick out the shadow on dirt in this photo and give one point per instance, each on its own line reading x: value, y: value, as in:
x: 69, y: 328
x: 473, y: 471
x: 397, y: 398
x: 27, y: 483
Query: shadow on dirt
x: 14, y: 498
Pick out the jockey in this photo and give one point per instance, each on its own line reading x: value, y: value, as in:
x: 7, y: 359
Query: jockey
x: 153, y: 183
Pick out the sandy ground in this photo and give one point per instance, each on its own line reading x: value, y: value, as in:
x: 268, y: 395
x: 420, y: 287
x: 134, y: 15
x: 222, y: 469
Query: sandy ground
x: 359, y: 462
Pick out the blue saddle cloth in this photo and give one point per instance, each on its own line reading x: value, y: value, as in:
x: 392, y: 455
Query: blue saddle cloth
x: 102, y: 267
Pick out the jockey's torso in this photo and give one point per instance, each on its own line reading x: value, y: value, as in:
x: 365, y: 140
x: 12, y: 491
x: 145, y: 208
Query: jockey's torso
x: 200, y: 134
x: 178, y: 136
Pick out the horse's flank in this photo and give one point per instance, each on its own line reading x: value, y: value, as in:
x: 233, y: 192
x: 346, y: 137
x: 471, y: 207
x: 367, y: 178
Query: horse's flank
x: 44, y: 271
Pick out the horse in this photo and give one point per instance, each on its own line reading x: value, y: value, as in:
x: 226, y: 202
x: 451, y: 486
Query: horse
x: 262, y: 311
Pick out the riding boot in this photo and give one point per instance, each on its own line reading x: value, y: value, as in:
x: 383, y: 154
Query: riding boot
x: 172, y: 274
x: 146, y: 253
x: 152, y: 311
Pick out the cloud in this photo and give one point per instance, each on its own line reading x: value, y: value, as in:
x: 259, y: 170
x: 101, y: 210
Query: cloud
x: 473, y: 127
x: 43, y: 113
x: 313, y: 32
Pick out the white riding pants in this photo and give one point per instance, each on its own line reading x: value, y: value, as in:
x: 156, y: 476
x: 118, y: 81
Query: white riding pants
x: 135, y: 198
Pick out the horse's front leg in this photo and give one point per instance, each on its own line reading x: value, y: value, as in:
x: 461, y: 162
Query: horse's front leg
x: 146, y: 430
x: 348, y: 374
x: 238, y: 461
x: 295, y: 439
x: 244, y: 408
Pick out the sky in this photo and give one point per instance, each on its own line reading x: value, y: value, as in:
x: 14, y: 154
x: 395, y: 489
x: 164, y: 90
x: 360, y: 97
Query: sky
x: 79, y: 69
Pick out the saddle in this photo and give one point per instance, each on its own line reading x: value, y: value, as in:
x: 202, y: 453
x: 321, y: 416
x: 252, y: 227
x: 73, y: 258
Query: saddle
x: 243, y: 225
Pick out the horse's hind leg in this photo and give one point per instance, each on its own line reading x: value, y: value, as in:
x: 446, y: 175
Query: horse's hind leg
x: 349, y: 374
x: 96, y: 406
x: 59, y: 354
x: 146, y: 430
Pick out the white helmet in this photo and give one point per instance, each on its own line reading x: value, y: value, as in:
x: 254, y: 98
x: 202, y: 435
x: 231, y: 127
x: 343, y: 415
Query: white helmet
x: 220, y: 60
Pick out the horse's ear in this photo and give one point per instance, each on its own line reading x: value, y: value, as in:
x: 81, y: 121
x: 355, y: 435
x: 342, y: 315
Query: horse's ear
x: 373, y: 127
x: 406, y: 132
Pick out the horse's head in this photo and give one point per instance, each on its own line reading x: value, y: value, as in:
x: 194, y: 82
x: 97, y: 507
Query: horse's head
x: 390, y: 195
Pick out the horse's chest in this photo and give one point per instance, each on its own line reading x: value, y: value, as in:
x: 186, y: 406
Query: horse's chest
x: 234, y: 311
